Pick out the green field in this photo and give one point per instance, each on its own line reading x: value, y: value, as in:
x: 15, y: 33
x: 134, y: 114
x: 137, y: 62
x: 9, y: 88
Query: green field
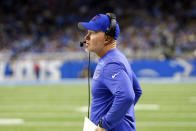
x: 55, y: 108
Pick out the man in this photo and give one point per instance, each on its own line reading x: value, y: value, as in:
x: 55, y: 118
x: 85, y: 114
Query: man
x: 115, y: 89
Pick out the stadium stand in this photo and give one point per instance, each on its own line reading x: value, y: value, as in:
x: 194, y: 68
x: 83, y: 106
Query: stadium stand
x: 149, y: 29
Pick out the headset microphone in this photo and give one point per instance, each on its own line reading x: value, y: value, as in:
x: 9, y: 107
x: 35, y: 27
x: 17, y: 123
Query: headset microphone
x: 89, y: 75
x: 82, y: 43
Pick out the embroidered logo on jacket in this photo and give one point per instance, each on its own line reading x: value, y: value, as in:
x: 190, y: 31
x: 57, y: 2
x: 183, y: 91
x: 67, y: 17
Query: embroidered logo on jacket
x: 96, y: 75
x: 113, y: 76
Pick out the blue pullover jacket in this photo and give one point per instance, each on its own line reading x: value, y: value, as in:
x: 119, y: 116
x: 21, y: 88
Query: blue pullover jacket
x: 115, y: 91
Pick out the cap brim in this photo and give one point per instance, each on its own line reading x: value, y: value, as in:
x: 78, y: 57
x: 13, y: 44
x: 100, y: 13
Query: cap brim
x: 87, y: 26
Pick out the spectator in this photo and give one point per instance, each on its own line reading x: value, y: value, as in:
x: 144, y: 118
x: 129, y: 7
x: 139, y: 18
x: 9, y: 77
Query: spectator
x: 47, y: 26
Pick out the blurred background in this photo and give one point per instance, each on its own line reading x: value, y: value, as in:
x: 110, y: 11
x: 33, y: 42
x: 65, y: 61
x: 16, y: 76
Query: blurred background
x: 39, y: 47
x: 41, y: 39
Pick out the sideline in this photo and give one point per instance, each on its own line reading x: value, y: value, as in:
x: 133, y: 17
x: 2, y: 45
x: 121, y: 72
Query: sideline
x: 78, y: 81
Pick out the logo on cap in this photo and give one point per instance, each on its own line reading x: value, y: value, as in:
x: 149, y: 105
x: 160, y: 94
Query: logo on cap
x: 95, y: 17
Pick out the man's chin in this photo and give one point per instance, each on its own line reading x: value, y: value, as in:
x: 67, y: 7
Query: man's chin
x: 88, y: 50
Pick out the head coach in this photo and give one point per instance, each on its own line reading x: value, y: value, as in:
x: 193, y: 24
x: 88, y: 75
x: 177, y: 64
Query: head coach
x: 115, y: 89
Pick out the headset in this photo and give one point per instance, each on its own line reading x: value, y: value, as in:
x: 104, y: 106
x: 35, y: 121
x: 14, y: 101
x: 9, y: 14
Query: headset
x: 112, y: 30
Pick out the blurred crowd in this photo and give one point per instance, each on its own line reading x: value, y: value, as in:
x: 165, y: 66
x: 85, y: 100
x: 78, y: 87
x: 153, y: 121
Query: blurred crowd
x: 51, y: 25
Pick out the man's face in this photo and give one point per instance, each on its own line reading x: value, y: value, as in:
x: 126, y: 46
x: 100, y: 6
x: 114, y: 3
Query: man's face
x: 95, y: 41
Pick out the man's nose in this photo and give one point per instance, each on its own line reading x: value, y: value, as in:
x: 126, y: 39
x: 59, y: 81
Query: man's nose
x: 87, y: 37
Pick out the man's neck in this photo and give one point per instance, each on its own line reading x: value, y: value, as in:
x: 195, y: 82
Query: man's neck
x: 106, y: 49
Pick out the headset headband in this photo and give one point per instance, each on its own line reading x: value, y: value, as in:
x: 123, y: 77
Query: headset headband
x: 112, y: 30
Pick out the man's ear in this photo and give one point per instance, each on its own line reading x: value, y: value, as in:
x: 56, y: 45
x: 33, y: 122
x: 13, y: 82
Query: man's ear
x: 108, y: 40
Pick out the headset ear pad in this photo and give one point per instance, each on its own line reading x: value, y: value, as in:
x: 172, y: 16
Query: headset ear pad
x: 112, y: 30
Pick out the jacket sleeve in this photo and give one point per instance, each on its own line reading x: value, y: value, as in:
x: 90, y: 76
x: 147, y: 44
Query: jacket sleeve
x: 121, y: 86
x: 137, y: 89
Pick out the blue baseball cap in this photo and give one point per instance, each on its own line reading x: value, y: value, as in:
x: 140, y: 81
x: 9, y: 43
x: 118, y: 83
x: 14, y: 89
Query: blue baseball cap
x: 99, y: 22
